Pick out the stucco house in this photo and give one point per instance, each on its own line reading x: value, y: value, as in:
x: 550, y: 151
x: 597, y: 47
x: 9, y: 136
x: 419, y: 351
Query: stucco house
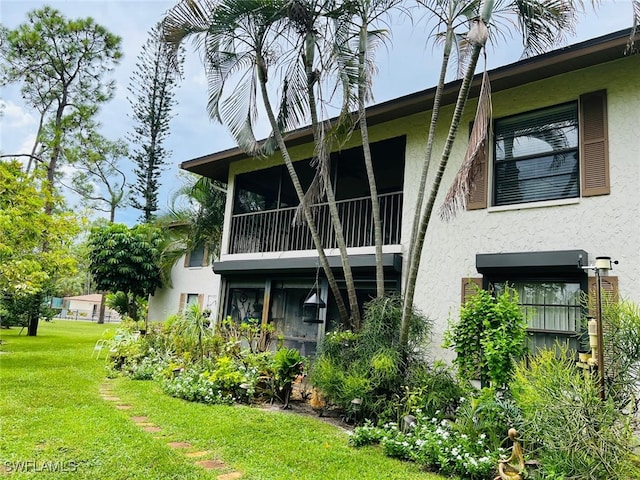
x: 193, y: 281
x: 560, y: 188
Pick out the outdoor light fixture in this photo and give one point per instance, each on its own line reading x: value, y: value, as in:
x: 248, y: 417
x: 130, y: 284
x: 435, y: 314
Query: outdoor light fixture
x: 312, y: 305
x: 601, y: 266
x: 603, y: 263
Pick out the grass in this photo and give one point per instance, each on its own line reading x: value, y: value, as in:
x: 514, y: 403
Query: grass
x: 52, y: 415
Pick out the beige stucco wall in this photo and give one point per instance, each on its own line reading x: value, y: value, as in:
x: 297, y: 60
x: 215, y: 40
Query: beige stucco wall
x: 604, y: 225
x: 194, y: 280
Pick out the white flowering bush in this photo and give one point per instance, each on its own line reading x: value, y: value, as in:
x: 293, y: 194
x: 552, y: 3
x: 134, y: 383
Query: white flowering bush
x: 436, y: 444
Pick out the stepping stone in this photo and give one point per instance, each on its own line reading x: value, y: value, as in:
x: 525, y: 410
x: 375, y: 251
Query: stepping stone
x: 139, y: 419
x: 203, y: 453
x: 145, y: 424
x: 230, y: 476
x: 124, y: 407
x: 211, y: 464
x: 109, y: 398
x: 152, y: 429
x: 179, y: 445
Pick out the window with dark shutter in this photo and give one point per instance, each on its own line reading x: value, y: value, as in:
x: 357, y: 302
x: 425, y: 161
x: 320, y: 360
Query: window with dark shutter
x: 536, y: 156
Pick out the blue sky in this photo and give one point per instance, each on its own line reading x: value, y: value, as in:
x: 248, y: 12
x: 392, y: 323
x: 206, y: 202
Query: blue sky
x: 407, y: 65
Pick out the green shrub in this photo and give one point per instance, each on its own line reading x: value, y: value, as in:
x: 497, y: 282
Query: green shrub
x: 574, y: 434
x: 370, y: 365
x: 489, y: 337
x: 622, y: 353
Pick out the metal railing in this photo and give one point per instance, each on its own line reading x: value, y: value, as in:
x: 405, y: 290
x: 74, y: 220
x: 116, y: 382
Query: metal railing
x: 274, y: 230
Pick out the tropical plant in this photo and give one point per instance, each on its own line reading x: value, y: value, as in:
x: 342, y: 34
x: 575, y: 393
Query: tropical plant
x: 195, y: 220
x: 355, y: 45
x: 542, y: 25
x: 239, y: 40
x: 622, y: 353
x: 368, y: 366
x: 573, y: 433
x: 489, y: 337
x: 126, y: 259
x: 287, y: 365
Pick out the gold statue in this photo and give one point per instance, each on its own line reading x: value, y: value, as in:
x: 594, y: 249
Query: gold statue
x: 513, y: 468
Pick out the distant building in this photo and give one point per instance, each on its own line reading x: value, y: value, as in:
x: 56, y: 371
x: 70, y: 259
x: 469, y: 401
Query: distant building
x: 86, y: 307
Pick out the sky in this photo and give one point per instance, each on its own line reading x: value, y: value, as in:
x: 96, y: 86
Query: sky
x: 408, y: 64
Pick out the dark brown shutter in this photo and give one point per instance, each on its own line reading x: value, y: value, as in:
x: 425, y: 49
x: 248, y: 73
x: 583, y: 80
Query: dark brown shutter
x: 478, y: 193
x: 469, y: 288
x: 594, y: 144
x: 609, y: 291
x: 183, y: 299
x: 200, y: 300
x: 187, y: 259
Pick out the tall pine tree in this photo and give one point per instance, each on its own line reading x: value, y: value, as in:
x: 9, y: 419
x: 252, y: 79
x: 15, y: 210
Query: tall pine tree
x: 152, y: 98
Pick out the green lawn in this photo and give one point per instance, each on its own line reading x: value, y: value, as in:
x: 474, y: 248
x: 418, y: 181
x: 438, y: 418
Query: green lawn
x: 53, y: 417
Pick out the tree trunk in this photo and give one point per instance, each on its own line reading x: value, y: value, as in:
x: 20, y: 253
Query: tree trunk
x: 324, y: 262
x: 34, y: 315
x: 435, y: 113
x: 103, y: 296
x: 366, y: 149
x: 320, y: 140
x: 416, y: 251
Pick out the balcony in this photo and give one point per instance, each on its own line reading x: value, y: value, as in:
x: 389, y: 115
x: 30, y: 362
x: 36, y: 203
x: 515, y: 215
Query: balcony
x: 274, y: 231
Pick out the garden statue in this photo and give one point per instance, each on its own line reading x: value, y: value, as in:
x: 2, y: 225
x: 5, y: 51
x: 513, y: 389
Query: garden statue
x: 507, y: 469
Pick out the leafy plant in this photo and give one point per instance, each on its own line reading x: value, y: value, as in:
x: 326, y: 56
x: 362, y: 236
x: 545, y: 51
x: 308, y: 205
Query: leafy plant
x: 370, y: 365
x: 573, y: 432
x: 287, y: 365
x: 489, y: 337
x: 622, y: 353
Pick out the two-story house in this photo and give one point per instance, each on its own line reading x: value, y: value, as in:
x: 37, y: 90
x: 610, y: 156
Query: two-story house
x: 560, y: 188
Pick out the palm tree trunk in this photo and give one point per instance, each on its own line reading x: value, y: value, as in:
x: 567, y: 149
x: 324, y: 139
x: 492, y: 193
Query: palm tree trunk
x: 321, y: 140
x: 324, y: 262
x: 416, y: 251
x: 366, y: 149
x: 435, y: 113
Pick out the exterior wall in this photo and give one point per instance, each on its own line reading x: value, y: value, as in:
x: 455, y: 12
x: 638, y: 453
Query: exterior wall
x: 186, y: 280
x: 602, y: 225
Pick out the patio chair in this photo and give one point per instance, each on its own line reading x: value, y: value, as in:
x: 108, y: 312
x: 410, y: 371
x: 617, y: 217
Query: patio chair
x: 98, y: 347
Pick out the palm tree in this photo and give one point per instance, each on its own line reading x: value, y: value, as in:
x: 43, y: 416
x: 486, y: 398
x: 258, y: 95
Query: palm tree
x: 542, y: 25
x: 195, y: 220
x: 356, y: 44
x: 240, y: 41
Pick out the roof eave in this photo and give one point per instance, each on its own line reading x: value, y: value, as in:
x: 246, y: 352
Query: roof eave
x: 575, y: 57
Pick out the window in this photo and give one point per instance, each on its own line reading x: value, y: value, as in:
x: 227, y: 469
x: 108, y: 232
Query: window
x: 196, y: 257
x: 549, y: 306
x: 553, y: 153
x: 536, y: 156
x: 187, y: 299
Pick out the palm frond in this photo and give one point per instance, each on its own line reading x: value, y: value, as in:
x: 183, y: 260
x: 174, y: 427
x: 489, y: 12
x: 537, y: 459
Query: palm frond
x: 477, y: 152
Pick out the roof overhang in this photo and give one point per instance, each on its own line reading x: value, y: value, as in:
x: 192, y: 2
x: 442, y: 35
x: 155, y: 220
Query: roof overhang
x: 575, y: 57
x: 303, y: 264
x: 556, y: 262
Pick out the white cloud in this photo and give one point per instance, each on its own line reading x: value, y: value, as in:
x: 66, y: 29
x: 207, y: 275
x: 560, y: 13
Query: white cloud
x: 14, y: 116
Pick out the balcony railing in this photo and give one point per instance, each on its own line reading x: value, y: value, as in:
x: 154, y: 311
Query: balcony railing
x: 274, y: 231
